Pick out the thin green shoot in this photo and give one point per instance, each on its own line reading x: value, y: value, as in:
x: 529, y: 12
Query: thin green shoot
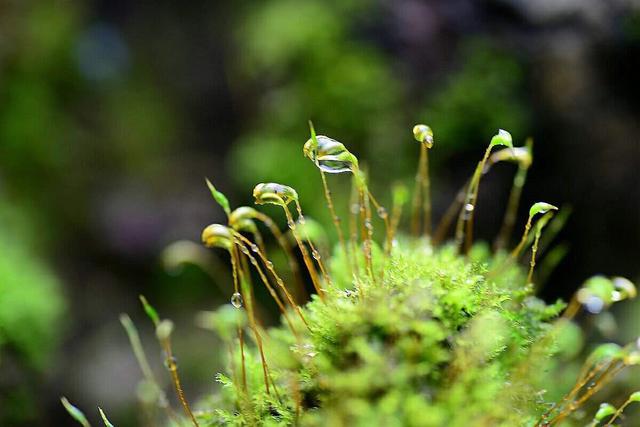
x: 75, y: 413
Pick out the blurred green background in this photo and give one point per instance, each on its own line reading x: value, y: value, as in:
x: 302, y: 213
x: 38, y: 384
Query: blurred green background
x: 113, y: 112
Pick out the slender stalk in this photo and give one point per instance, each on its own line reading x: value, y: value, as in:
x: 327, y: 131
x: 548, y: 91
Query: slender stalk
x: 234, y: 267
x: 396, y: 212
x: 426, y: 191
x: 256, y: 333
x: 583, y: 379
x: 532, y: 264
x: 165, y: 343
x: 354, y: 209
x: 240, y: 242
x: 465, y: 239
x: 305, y: 253
x: 143, y: 363
x: 286, y: 247
x: 449, y: 215
x: 366, y: 229
x: 474, y: 199
x: 611, y: 371
x: 618, y: 412
x: 335, y: 217
x: 275, y: 275
x: 572, y: 309
x: 369, y: 227
x: 314, y: 251
x: 173, y: 369
x: 424, y: 135
x: 382, y: 213
x: 417, y: 193
x: 504, y: 235
x: 523, y: 240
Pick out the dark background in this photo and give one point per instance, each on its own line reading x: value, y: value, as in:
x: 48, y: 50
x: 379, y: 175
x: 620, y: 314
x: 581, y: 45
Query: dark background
x: 113, y: 112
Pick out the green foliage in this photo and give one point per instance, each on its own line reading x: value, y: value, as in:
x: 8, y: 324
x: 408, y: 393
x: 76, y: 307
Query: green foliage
x: 219, y: 197
x: 410, y: 334
x: 31, y: 304
x: 105, y: 420
x: 436, y: 341
x: 75, y: 413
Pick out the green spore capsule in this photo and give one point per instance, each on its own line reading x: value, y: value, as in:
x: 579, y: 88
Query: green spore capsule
x: 242, y: 213
x: 541, y: 208
x: 275, y: 194
x: 164, y: 330
x: 605, y: 411
x: 625, y: 288
x: 423, y: 134
x: 217, y: 236
x: 501, y: 138
x: 330, y: 155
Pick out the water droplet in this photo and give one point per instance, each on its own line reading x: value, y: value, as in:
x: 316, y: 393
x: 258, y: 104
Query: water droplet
x: 269, y: 265
x: 236, y: 300
x: 355, y: 208
x: 280, y: 282
x: 382, y: 212
x: 368, y: 225
x: 309, y: 351
x: 255, y: 248
x: 316, y: 255
x: 170, y: 361
x: 468, y: 210
x: 337, y: 219
x: 291, y: 224
x: 244, y: 250
x: 302, y: 220
x: 593, y: 304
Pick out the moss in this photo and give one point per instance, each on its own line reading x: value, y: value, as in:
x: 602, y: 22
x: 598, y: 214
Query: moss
x: 402, y: 333
x: 434, y: 340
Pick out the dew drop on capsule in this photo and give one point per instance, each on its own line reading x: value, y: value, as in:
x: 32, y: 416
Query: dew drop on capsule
x: 316, y: 255
x: 269, y: 265
x: 302, y: 220
x: 593, y: 304
x: 236, y: 300
x: 291, y: 224
x: 382, y: 212
x: 255, y: 248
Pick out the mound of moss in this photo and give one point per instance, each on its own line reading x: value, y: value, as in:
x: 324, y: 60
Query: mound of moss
x: 434, y: 342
